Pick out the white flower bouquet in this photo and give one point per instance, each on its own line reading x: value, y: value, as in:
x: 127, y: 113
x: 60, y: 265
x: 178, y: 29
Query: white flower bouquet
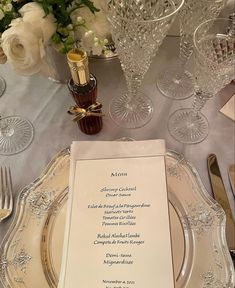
x: 28, y: 27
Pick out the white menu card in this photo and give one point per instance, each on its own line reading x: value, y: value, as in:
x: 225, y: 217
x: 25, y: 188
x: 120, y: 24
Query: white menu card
x: 118, y: 232
x: 229, y: 108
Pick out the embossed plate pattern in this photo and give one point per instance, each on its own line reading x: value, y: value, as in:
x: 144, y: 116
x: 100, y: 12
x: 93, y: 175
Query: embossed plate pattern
x: 30, y: 254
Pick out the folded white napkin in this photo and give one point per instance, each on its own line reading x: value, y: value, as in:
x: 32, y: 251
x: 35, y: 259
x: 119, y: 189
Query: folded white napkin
x: 112, y: 150
x: 229, y: 108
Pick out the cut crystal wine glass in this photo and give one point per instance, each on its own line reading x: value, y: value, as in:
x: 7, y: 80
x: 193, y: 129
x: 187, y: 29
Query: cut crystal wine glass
x: 176, y: 82
x: 16, y: 134
x: 138, y: 29
x: 2, y: 86
x: 214, y: 54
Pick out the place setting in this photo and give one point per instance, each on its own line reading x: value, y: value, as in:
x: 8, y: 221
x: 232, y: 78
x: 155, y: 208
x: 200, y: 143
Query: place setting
x: 117, y: 207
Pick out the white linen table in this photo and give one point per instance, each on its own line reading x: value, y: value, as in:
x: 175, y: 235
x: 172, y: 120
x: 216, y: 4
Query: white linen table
x: 45, y: 104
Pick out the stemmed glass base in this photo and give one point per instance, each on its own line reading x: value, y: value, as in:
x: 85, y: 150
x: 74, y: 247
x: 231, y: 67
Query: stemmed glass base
x: 16, y: 134
x: 175, y: 83
x: 2, y: 86
x: 133, y: 113
x: 188, y: 126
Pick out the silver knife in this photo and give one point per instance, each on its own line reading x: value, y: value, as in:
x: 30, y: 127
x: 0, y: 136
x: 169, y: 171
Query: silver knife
x: 221, y: 197
x: 231, y: 174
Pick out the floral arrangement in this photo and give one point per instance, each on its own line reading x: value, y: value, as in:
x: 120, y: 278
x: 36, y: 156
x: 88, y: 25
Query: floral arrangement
x: 28, y: 27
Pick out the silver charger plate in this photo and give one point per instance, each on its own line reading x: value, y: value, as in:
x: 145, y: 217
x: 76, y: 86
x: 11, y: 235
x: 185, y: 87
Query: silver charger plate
x: 30, y: 255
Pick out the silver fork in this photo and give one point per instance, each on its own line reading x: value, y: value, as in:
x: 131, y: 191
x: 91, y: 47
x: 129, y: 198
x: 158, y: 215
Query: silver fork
x: 6, y: 197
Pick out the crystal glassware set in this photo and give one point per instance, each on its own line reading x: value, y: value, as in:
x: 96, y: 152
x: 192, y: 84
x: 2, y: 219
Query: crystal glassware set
x: 138, y: 29
x: 176, y: 82
x: 214, y: 62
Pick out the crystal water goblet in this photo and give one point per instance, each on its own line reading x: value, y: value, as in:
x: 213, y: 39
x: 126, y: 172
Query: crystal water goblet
x: 2, y: 86
x: 214, y: 57
x: 138, y: 29
x: 16, y: 134
x: 176, y: 82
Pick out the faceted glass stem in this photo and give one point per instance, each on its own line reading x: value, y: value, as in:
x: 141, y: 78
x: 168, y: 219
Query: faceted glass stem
x: 177, y: 83
x: 186, y: 50
x: 133, y: 83
x: 199, y: 101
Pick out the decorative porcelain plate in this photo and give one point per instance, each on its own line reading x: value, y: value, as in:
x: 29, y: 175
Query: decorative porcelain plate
x: 30, y: 255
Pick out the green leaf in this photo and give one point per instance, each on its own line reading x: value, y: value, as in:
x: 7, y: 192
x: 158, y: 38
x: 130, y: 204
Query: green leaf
x: 63, y: 31
x: 62, y: 50
x: 69, y: 41
x: 56, y: 38
x: 90, y: 5
x: 6, y: 21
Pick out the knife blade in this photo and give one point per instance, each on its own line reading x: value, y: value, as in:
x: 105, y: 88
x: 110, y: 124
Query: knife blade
x: 221, y: 197
x: 231, y: 174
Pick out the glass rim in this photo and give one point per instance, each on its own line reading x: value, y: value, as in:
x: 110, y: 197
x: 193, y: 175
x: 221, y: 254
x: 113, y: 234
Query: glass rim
x: 152, y: 20
x: 196, y: 30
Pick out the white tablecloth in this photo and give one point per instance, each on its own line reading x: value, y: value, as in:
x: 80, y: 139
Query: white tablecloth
x: 45, y: 104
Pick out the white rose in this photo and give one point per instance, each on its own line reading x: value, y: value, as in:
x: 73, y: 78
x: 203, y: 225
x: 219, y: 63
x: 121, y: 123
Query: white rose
x: 23, y: 46
x: 24, y: 42
x: 3, y: 57
x: 34, y: 14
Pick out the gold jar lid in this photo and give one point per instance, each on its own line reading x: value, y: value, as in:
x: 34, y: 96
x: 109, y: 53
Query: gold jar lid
x: 78, y: 64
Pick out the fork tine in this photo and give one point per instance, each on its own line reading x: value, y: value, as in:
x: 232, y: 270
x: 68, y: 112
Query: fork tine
x: 6, y: 197
x: 5, y: 189
x: 10, y: 189
x: 1, y: 189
